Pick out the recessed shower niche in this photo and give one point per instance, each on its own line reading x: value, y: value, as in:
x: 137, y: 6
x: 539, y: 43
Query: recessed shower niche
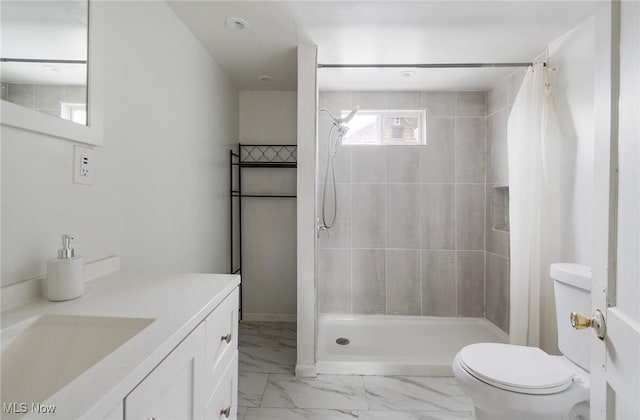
x: 500, y: 197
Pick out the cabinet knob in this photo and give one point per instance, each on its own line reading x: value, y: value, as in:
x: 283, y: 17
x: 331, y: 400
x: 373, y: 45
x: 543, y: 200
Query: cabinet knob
x: 226, y: 338
x: 226, y: 412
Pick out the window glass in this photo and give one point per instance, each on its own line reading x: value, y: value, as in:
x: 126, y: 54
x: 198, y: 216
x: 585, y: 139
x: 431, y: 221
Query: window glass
x: 386, y: 127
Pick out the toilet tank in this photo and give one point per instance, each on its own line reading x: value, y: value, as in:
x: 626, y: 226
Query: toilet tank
x: 572, y: 287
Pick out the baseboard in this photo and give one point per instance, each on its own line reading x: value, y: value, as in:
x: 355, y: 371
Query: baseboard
x: 269, y: 317
x: 306, y: 371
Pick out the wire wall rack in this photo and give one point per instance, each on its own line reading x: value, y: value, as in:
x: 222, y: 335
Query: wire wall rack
x: 252, y: 156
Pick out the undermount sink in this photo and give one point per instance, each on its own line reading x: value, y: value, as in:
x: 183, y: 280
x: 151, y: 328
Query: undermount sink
x: 43, y: 354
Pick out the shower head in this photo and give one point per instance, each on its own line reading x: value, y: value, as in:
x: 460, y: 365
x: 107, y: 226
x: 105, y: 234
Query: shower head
x: 348, y: 118
x: 340, y: 121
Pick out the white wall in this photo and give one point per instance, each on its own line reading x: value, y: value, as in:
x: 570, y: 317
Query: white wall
x: 160, y: 194
x: 574, y: 56
x: 269, y: 227
x: 307, y: 164
x: 268, y: 117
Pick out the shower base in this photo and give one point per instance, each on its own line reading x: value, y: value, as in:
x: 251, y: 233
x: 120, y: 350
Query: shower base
x: 397, y: 345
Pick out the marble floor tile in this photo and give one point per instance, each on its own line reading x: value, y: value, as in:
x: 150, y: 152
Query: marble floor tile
x: 412, y: 415
x: 268, y: 390
x: 289, y: 342
x: 269, y: 334
x: 276, y: 329
x: 267, y: 359
x: 415, y: 393
x: 298, y: 414
x: 325, y: 391
x: 251, y: 387
x: 257, y: 340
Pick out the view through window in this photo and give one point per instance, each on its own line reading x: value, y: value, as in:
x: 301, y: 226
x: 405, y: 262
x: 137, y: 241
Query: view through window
x: 386, y: 127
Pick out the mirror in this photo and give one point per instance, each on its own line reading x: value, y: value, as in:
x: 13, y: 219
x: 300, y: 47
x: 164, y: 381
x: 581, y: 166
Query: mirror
x: 44, y: 56
x: 51, y: 67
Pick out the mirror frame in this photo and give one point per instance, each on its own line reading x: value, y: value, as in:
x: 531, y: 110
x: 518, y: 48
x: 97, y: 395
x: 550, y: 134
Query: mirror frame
x: 16, y: 116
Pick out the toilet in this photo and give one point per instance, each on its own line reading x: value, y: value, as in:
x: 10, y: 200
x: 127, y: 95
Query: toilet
x: 507, y: 381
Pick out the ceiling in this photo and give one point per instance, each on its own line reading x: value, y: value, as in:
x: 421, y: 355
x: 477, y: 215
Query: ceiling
x: 378, y: 32
x: 44, y: 30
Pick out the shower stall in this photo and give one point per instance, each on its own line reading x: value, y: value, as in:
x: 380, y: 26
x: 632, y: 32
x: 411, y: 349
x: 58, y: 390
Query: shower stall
x: 415, y: 264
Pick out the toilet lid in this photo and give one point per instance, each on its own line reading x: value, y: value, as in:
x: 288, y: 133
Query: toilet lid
x: 527, y: 370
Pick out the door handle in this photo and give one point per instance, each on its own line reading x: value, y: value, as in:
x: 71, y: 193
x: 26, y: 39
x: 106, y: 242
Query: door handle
x: 580, y: 322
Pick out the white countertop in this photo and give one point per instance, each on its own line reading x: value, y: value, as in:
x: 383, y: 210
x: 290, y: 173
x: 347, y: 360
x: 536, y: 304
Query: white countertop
x: 177, y: 302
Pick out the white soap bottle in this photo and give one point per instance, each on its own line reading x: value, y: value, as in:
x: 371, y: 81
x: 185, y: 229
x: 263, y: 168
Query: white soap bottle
x: 65, y: 274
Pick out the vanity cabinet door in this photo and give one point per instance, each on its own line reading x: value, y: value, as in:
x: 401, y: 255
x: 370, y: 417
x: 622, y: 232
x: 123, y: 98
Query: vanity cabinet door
x: 221, y: 372
x: 223, y: 404
x: 222, y: 336
x: 173, y: 390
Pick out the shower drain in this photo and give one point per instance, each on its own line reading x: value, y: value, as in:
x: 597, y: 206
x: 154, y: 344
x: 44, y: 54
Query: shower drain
x: 342, y: 341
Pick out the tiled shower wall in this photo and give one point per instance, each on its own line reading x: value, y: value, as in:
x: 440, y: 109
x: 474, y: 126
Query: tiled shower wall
x: 43, y: 98
x: 410, y: 233
x: 499, y: 102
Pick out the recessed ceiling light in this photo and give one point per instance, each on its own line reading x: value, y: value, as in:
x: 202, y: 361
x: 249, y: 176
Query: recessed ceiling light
x: 51, y: 67
x: 408, y: 73
x: 236, y: 24
x: 266, y: 78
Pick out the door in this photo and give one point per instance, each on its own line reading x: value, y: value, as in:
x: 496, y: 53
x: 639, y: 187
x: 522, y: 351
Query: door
x: 615, y: 361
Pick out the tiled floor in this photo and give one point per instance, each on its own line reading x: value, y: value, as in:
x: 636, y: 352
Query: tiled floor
x: 268, y: 389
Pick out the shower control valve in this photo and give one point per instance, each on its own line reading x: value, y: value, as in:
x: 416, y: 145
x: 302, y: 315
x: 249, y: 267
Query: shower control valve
x: 320, y: 228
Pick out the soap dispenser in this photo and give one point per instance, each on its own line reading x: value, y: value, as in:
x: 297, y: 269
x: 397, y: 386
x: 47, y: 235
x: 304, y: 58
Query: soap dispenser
x: 65, y: 274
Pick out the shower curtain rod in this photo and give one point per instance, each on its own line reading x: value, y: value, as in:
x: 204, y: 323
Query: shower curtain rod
x: 423, y: 66
x: 41, y: 60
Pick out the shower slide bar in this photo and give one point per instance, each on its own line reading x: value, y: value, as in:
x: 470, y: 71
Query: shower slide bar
x: 423, y: 66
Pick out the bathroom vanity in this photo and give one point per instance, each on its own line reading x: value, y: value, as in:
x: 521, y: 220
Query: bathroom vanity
x: 135, y: 346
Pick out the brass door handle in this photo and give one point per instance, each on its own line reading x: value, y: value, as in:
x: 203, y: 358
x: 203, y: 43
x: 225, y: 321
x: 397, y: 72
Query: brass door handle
x: 226, y: 412
x: 226, y: 338
x: 580, y: 322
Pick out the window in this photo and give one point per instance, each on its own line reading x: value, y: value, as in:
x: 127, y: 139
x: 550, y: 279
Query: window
x: 388, y: 127
x: 74, y: 112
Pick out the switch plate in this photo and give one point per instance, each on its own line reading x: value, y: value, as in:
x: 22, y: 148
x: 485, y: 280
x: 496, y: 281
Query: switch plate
x: 83, y: 165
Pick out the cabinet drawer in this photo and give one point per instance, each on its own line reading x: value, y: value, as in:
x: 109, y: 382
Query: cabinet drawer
x: 223, y: 403
x: 221, y: 334
x: 171, y: 391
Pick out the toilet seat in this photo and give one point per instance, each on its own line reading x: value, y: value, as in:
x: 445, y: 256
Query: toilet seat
x: 526, y: 370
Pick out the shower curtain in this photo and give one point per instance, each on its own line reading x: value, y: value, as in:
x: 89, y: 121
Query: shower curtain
x: 536, y: 203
